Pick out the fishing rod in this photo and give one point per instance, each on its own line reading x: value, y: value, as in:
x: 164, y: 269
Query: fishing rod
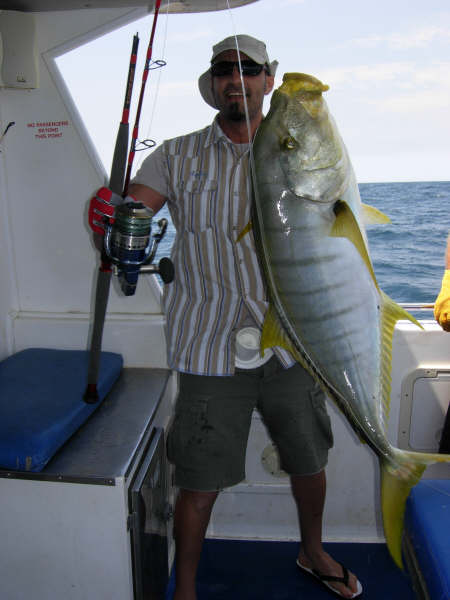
x: 121, y: 147
x: 127, y: 241
x: 104, y: 273
x: 141, y: 99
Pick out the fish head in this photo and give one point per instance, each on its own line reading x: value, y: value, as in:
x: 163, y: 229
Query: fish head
x: 312, y: 160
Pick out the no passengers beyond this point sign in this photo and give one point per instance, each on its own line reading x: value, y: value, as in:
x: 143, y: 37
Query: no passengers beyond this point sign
x: 48, y: 130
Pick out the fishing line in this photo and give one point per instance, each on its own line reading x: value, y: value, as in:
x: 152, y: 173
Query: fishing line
x: 158, y: 82
x: 251, y: 158
x: 139, y: 162
x: 246, y: 112
x: 247, y: 117
x: 141, y: 97
x: 148, y: 143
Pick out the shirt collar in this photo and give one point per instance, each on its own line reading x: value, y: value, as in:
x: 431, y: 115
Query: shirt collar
x: 216, y: 134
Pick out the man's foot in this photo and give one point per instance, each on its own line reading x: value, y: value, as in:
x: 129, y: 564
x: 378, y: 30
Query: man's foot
x: 331, y: 574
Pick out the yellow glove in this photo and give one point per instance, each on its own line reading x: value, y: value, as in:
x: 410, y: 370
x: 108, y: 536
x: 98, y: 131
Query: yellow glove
x: 442, y: 304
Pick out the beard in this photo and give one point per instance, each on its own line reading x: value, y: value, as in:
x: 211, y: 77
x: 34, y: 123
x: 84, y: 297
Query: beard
x: 234, y: 112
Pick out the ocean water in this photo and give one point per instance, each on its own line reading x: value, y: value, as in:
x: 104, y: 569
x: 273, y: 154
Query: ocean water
x: 408, y: 254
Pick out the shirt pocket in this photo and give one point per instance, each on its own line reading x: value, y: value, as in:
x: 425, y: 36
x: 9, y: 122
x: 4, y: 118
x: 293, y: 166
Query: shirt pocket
x: 197, y: 197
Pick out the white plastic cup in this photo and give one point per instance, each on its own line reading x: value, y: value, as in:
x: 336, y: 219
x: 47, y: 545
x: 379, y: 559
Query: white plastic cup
x: 248, y: 354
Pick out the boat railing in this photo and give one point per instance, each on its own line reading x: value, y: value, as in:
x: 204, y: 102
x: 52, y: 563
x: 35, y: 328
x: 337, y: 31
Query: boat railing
x: 417, y: 305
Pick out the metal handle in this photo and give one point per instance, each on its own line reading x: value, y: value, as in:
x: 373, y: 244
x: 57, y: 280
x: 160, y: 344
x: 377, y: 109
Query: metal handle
x: 164, y: 269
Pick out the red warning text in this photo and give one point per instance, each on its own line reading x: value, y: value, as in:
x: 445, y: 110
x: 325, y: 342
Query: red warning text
x: 47, y: 130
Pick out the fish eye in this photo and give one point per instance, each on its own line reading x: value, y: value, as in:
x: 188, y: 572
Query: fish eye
x: 289, y: 143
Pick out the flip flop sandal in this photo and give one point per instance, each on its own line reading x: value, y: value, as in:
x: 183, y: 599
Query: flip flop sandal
x: 326, y: 578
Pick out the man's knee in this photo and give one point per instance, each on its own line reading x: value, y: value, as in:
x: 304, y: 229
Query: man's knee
x: 197, y: 500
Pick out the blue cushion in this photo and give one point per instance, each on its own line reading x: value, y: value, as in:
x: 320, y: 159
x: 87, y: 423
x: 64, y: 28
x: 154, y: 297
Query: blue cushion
x: 428, y: 525
x: 41, y: 402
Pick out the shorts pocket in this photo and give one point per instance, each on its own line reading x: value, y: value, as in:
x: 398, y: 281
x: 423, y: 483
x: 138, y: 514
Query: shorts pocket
x: 321, y: 420
x: 188, y: 438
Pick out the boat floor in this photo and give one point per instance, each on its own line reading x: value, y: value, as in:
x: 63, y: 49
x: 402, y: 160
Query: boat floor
x: 248, y: 570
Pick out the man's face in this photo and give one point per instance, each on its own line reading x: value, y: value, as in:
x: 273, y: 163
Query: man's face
x: 227, y: 90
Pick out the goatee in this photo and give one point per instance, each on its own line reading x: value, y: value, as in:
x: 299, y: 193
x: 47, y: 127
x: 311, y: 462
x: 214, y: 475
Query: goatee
x: 235, y: 113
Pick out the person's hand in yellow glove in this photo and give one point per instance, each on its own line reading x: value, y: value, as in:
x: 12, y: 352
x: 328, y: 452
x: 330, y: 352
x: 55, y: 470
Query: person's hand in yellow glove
x: 442, y: 303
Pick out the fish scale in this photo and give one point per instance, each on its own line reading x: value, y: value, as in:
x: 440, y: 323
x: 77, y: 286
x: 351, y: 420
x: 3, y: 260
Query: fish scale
x: 308, y: 311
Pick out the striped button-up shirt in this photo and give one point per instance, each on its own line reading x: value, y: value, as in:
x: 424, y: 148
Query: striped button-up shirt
x: 218, y: 284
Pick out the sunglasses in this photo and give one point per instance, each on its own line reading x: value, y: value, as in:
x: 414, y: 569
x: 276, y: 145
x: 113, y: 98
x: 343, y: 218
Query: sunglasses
x: 225, y: 67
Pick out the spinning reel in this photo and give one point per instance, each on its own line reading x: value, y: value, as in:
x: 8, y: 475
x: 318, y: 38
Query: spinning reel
x: 129, y: 245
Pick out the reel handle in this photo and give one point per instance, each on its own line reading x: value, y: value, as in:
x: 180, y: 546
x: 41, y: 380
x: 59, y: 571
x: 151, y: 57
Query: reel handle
x: 164, y: 269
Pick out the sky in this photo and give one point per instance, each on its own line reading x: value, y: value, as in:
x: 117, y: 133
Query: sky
x: 387, y: 63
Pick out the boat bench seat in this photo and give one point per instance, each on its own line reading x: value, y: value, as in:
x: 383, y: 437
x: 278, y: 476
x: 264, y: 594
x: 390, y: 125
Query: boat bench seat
x: 427, y: 524
x: 41, y: 402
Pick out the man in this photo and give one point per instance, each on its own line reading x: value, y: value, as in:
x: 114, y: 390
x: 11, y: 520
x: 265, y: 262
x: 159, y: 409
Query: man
x: 442, y: 316
x: 218, y: 291
x: 442, y: 304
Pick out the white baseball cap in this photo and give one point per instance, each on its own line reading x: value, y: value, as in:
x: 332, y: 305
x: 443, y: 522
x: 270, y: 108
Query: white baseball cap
x: 253, y: 48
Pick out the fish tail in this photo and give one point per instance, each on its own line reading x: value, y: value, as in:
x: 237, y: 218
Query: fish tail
x: 394, y: 493
x: 397, y: 479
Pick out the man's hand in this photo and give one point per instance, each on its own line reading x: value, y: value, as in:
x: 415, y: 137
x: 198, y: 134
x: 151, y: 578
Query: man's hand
x: 101, y: 209
x: 442, y: 304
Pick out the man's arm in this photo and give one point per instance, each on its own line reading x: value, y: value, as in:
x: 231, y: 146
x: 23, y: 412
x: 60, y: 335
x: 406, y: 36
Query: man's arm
x: 442, y: 304
x: 147, y: 196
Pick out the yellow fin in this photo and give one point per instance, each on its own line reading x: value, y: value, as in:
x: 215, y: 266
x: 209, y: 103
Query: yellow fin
x: 346, y: 225
x: 394, y: 493
x: 373, y: 216
x: 391, y: 312
x: 426, y: 458
x: 244, y: 232
x: 396, y: 311
x: 273, y: 333
x: 397, y: 479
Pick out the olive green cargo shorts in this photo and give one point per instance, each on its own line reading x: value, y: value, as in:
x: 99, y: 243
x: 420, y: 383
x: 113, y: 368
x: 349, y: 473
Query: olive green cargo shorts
x: 208, y: 437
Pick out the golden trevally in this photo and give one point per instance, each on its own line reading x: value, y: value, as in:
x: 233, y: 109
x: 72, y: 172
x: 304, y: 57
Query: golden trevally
x: 325, y: 304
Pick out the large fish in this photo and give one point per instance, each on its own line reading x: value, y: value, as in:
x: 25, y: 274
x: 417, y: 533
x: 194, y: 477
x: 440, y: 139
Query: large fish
x: 325, y: 304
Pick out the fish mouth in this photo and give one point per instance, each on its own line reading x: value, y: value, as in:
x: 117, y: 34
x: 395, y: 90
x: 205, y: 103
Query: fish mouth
x: 324, y: 167
x: 306, y: 90
x: 302, y: 82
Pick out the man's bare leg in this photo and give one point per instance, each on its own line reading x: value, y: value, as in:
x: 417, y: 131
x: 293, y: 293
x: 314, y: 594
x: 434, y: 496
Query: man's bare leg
x: 192, y: 514
x: 309, y: 493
